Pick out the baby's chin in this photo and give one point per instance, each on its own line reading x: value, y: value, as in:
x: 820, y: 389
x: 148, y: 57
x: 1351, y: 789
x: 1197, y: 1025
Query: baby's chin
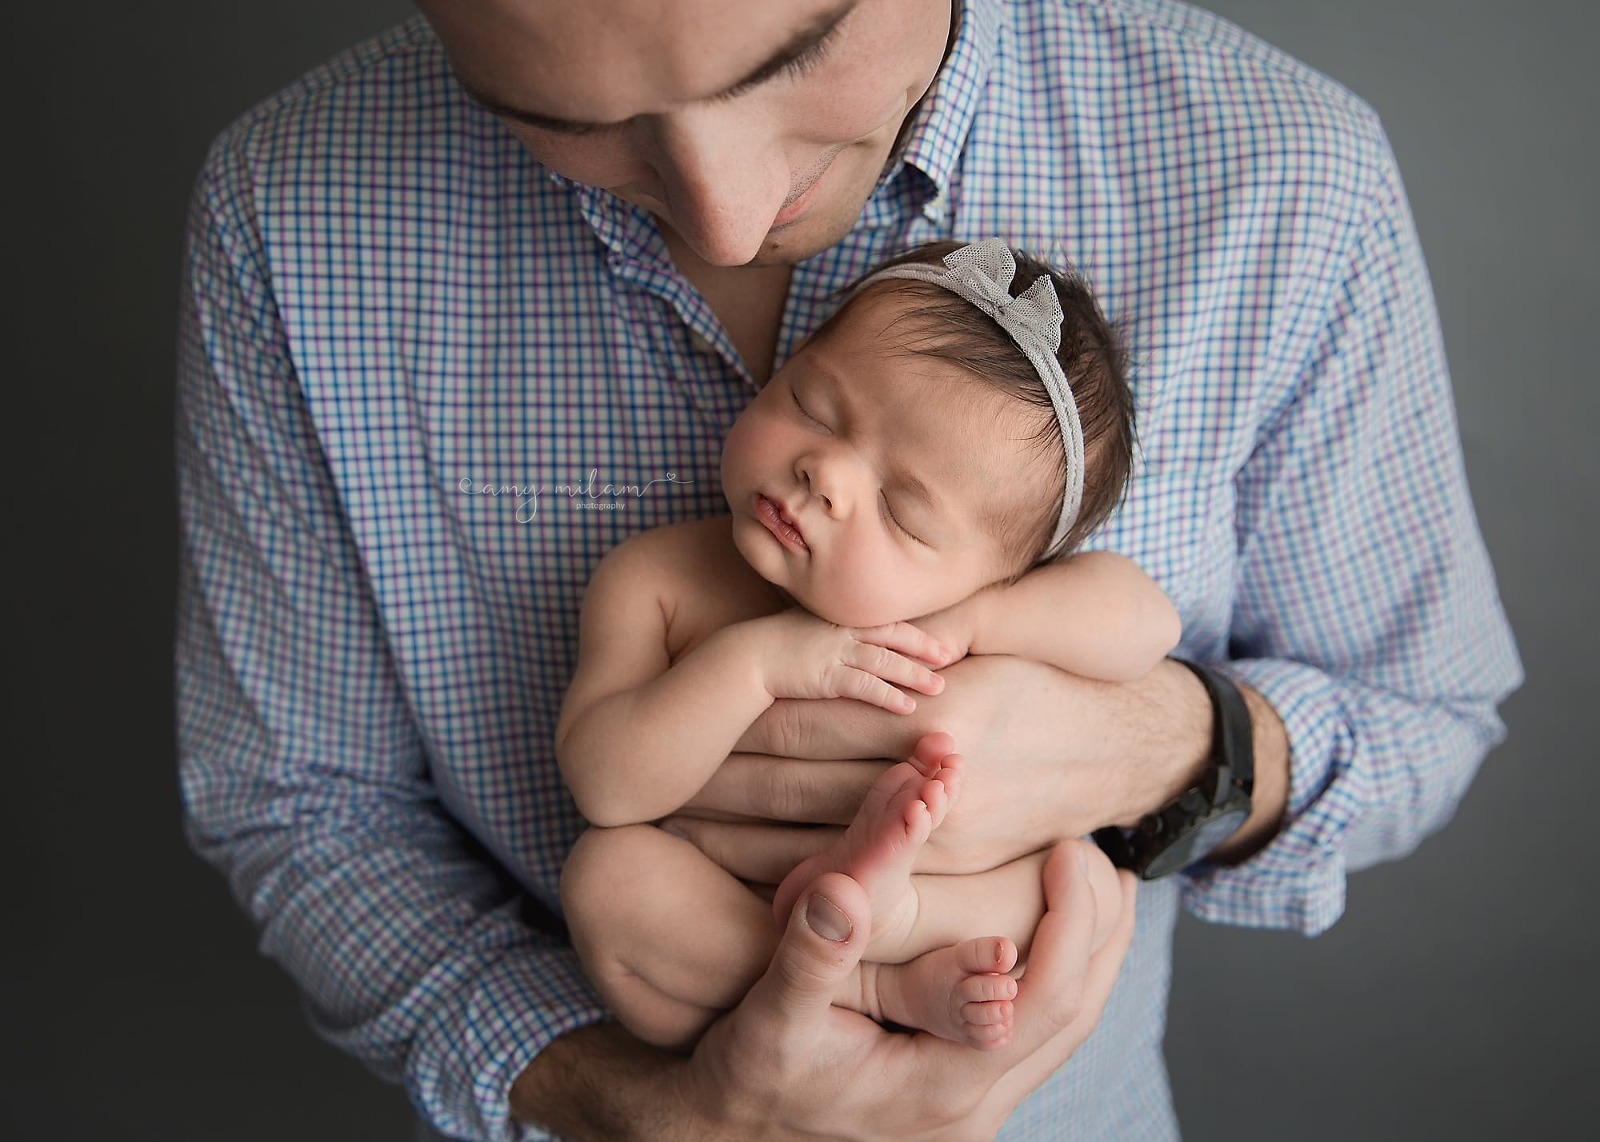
x: 855, y: 616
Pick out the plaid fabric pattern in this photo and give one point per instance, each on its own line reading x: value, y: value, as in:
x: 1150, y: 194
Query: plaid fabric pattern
x: 424, y: 384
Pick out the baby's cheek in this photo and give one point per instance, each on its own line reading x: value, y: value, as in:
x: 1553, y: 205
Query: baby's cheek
x: 877, y: 589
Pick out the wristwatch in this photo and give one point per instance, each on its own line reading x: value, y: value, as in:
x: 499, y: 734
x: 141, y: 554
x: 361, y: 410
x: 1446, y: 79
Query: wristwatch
x: 1199, y: 820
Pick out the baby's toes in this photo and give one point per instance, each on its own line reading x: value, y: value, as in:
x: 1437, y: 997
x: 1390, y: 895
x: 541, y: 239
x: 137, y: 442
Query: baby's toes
x: 987, y: 954
x: 987, y: 1014
x: 978, y: 989
x: 987, y: 1025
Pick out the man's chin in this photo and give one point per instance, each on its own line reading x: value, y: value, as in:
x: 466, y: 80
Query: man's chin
x: 805, y: 238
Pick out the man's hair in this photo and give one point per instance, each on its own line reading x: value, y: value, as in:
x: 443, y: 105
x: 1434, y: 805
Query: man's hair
x: 1094, y: 359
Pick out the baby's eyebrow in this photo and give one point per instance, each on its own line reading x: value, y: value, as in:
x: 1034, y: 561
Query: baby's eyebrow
x: 823, y: 375
x: 909, y: 482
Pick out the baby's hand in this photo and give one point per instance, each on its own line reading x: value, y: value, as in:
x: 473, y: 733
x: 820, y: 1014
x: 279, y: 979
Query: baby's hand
x: 803, y: 656
x: 955, y: 628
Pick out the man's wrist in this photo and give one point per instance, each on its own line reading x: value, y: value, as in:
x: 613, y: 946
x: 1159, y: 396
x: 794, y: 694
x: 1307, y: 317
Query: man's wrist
x: 1177, y: 752
x: 601, y: 1083
x: 1177, y: 717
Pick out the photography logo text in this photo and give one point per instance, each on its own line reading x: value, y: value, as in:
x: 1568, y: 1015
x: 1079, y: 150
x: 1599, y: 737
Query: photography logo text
x: 589, y: 494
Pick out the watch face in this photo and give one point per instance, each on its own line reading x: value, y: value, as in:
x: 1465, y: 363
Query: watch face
x: 1211, y: 835
x: 1204, y: 839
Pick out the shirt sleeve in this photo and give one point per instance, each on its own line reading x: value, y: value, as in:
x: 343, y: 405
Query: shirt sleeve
x: 303, y: 775
x: 1365, y: 608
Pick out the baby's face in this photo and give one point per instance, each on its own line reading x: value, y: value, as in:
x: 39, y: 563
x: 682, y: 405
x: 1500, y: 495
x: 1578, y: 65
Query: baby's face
x: 863, y: 478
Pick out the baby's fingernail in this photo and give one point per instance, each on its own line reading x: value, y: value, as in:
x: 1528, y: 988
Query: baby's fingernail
x: 825, y: 918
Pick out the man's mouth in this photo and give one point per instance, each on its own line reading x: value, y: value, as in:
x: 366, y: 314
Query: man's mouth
x: 796, y: 205
x: 780, y: 523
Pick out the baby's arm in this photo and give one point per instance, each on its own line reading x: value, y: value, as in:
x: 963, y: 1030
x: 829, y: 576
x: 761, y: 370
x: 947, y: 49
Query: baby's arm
x: 639, y: 735
x: 1096, y: 615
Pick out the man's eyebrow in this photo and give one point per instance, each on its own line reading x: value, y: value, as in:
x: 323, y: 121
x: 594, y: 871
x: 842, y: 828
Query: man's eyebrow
x: 805, y: 40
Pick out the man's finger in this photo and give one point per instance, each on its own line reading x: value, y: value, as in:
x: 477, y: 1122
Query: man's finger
x: 788, y: 789
x: 1104, y: 967
x: 762, y: 853
x: 827, y: 932
x: 821, y: 728
x: 1052, y: 993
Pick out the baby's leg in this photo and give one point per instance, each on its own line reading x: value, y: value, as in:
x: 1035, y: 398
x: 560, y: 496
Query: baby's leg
x: 668, y: 938
x: 953, y: 987
x: 671, y: 940
x: 905, y: 804
x: 963, y: 991
x: 1008, y: 900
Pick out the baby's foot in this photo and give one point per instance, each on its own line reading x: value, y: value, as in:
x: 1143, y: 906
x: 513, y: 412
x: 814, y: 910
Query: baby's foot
x: 904, y: 805
x: 961, y: 993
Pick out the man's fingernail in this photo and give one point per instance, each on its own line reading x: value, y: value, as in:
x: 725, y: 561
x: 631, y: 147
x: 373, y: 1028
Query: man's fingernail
x: 826, y: 920
x: 1083, y: 859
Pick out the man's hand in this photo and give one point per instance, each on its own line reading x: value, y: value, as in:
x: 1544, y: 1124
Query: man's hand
x: 788, y: 1065
x: 1048, y: 756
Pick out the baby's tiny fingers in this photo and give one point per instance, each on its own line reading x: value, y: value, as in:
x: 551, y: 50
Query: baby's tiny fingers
x: 895, y: 668
x: 908, y: 640
x: 865, y: 686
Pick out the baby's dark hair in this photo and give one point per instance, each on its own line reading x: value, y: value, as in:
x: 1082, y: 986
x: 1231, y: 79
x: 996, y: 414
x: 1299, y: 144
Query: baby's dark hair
x: 1094, y: 360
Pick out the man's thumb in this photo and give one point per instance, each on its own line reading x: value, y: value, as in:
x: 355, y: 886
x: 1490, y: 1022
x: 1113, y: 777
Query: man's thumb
x: 827, y: 933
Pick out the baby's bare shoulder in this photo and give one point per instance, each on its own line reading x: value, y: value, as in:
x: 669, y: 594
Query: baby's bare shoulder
x: 680, y: 554
x: 697, y: 574
x: 675, y: 563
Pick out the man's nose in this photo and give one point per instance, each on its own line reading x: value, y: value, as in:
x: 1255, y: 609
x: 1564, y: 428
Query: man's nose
x: 725, y: 178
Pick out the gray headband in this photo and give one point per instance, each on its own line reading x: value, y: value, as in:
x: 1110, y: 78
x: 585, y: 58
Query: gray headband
x: 981, y: 273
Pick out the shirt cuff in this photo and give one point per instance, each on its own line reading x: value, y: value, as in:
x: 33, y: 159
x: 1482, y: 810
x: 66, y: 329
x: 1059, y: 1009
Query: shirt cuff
x: 1297, y: 881
x: 465, y: 1059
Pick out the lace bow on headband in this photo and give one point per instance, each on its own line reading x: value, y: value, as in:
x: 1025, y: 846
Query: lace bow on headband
x: 982, y: 274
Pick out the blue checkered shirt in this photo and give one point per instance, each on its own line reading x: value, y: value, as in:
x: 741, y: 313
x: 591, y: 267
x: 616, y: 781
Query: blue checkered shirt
x: 425, y: 384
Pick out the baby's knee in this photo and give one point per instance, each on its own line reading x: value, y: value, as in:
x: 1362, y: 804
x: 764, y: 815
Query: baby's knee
x: 600, y: 878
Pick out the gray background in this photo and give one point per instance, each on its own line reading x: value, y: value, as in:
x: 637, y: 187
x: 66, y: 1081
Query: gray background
x: 1451, y: 1002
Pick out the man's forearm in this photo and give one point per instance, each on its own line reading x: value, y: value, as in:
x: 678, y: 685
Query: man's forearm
x: 601, y: 1083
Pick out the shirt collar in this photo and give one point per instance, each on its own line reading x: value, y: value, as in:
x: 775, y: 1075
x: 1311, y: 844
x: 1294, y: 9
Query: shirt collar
x: 944, y: 118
